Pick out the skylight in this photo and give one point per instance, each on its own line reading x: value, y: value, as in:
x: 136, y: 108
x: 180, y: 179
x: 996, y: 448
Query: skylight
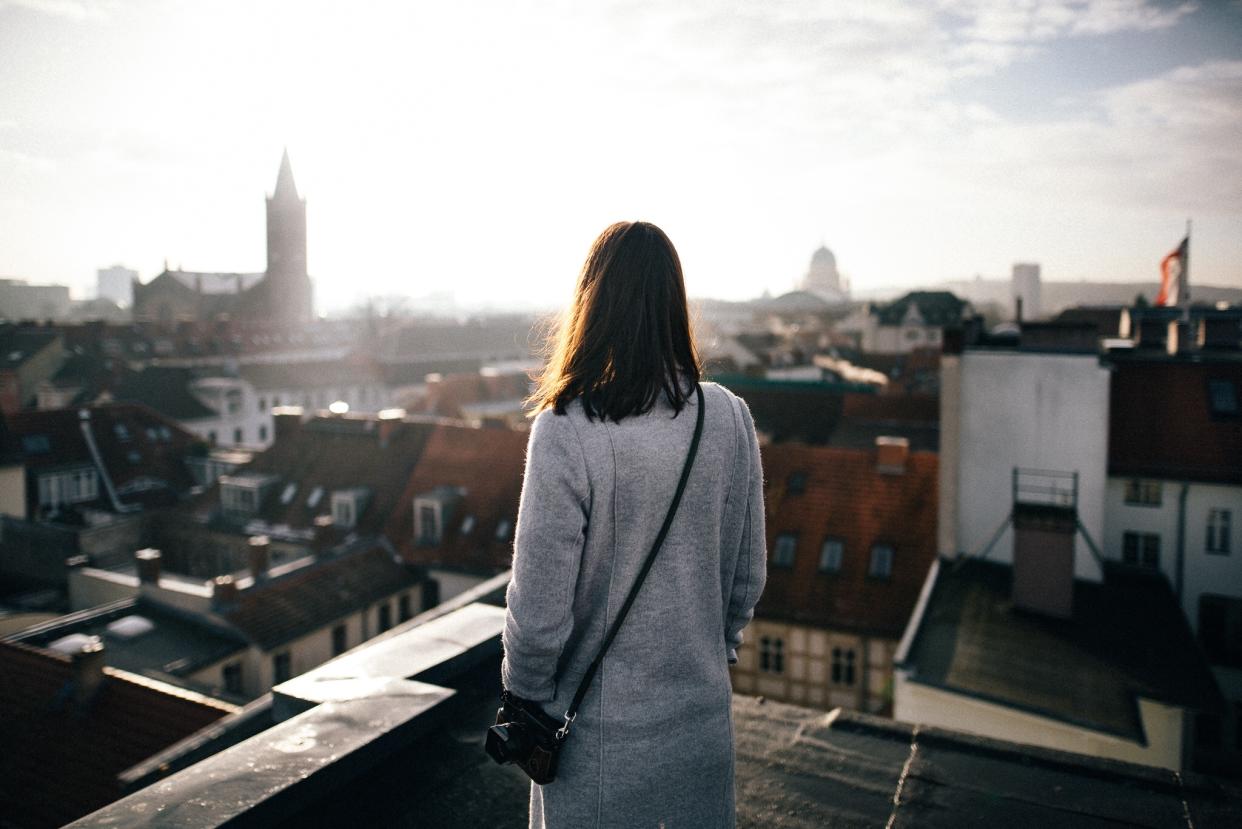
x: 1223, y: 397
x: 467, y: 525
x: 290, y: 490
x: 502, y: 529
x: 130, y: 627
x: 313, y: 499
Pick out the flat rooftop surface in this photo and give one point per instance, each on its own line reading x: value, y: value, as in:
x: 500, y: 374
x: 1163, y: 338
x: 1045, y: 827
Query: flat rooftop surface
x: 800, y: 768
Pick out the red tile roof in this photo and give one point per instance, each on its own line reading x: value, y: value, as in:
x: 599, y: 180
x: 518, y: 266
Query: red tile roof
x: 59, y: 761
x: 488, y: 465
x: 1161, y: 423
x: 318, y: 595
x: 847, y: 498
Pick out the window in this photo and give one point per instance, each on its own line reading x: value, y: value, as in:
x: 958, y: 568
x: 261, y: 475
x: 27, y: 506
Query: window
x: 122, y: 432
x: 73, y: 487
x: 211, y: 437
x: 1141, y: 549
x: 1142, y: 493
x: 843, y: 671
x: 428, y: 531
x: 881, y: 566
x: 237, y: 435
x: 312, y: 500
x: 502, y: 529
x: 384, y: 617
x: 233, y: 400
x: 1218, y: 531
x: 786, y: 547
x: 1220, y: 629
x: 262, y: 405
x: 339, y: 640
x: 830, y: 555
x: 233, y: 678
x: 290, y: 490
x: 1223, y: 398
x: 772, y: 655
x: 467, y: 525
x: 281, y: 668
x: 344, y: 509
x: 403, y: 607
x: 796, y: 484
x: 263, y: 433
x: 238, y: 498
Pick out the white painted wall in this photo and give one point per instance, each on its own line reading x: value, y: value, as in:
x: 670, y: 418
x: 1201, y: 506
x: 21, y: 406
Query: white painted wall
x: 1162, y: 724
x: 453, y: 583
x: 1029, y: 410
x: 1203, y: 572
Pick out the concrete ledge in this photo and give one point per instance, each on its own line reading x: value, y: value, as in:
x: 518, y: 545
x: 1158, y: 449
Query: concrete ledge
x: 334, y: 724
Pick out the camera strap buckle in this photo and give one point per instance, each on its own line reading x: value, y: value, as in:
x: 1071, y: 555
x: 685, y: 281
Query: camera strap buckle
x: 563, y: 731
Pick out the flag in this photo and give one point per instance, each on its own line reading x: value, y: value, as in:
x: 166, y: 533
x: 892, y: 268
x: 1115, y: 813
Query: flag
x: 1174, y: 272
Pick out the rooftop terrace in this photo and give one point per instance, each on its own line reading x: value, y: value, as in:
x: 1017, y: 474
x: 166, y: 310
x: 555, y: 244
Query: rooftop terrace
x: 390, y: 734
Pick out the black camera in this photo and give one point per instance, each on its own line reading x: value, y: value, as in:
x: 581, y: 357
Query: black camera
x: 524, y: 734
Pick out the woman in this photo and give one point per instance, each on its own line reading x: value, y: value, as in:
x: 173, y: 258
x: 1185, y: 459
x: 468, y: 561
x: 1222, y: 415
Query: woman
x: 652, y: 745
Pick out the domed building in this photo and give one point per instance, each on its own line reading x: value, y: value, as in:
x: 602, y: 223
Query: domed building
x: 822, y: 278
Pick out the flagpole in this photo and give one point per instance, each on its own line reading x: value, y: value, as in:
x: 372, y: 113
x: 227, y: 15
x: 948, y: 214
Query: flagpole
x: 1184, y: 293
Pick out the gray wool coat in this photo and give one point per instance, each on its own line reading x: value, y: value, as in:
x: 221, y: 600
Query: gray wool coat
x: 653, y: 742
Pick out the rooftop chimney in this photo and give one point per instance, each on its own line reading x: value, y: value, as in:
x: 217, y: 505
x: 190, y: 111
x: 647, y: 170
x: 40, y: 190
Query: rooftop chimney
x: 88, y: 665
x: 1220, y: 331
x: 259, y: 553
x: 891, y: 455
x: 324, y: 531
x: 389, y: 421
x: 223, y: 591
x: 286, y: 421
x: 1178, y: 339
x: 1152, y: 331
x: 149, y: 562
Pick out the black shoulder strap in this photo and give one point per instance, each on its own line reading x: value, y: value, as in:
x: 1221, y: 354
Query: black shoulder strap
x: 642, y: 574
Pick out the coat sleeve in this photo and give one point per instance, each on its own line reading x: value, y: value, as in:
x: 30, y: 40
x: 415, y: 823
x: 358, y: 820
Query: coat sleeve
x: 548, y: 542
x: 751, y: 571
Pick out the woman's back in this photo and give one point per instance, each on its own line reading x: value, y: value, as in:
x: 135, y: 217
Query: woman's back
x: 653, y: 739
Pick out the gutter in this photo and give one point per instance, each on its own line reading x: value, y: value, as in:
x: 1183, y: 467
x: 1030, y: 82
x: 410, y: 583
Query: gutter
x: 84, y: 421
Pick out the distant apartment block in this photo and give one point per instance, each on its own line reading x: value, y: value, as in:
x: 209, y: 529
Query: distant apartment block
x: 116, y: 284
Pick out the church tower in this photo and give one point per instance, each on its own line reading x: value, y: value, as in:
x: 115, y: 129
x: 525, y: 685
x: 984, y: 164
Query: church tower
x: 288, y: 286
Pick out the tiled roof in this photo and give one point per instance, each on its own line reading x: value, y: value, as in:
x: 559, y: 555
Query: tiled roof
x: 18, y: 344
x: 846, y: 497
x: 59, y: 761
x: 1127, y: 638
x: 216, y: 283
x: 492, y: 338
x: 1161, y: 422
x: 938, y: 308
x: 487, y: 464
x: 139, y: 447
x: 454, y: 393
x: 336, y: 453
x: 167, y: 390
x: 290, y: 606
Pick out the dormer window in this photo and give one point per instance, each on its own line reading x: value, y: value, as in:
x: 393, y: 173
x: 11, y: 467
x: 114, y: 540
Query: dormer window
x: 433, y: 511
x: 243, y: 494
x: 347, y: 506
x: 502, y: 529
x: 467, y: 525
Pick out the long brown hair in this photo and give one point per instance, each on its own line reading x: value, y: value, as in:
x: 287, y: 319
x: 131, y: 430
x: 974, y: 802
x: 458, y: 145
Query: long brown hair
x: 626, y: 337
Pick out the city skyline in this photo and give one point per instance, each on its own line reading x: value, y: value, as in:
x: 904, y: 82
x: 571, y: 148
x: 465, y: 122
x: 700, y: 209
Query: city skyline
x: 439, y: 146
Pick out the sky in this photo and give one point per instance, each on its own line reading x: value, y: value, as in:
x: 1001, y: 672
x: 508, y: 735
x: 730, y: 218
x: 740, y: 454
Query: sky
x: 476, y: 149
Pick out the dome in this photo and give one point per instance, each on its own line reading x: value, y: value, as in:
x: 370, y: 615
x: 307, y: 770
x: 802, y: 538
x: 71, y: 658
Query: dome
x: 823, y: 258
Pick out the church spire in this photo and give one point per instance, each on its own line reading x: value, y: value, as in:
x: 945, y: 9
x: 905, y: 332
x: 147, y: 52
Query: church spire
x: 285, y: 188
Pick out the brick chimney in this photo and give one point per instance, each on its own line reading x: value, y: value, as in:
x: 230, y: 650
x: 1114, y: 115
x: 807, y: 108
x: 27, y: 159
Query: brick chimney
x: 223, y: 591
x: 389, y: 422
x: 149, y: 562
x: 1178, y: 339
x: 88, y: 674
x: 325, y: 532
x: 259, y: 556
x: 1043, y: 559
x: 891, y: 454
x: 286, y: 421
